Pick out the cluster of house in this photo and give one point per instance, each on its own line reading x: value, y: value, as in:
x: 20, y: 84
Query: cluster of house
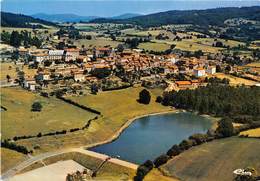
x: 78, y: 65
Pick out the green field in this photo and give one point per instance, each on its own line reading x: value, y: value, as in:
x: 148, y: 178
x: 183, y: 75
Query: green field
x: 117, y: 107
x: 10, y: 29
x: 195, y: 44
x: 216, y: 160
x: 18, y: 120
x: 99, y: 42
x: 158, y: 47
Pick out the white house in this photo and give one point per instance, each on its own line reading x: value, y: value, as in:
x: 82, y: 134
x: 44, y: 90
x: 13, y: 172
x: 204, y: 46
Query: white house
x: 199, y: 72
x: 79, y: 77
x: 28, y: 81
x: 211, y: 70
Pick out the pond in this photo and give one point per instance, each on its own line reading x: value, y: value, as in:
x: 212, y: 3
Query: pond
x: 150, y: 136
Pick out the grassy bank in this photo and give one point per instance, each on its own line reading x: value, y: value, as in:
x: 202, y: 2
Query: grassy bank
x: 56, y: 115
x: 109, y: 171
x: 117, y: 107
x: 10, y: 158
x: 215, y: 160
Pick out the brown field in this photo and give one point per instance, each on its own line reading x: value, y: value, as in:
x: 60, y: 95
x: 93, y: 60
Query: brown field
x: 252, y: 132
x: 10, y: 69
x: 235, y: 80
x: 216, y: 160
x: 10, y: 158
x: 156, y: 175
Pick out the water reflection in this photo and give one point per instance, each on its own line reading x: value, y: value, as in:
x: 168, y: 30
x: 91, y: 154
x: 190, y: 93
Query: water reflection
x: 150, y: 136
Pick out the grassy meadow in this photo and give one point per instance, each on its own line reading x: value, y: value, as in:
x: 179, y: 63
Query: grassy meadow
x: 99, y: 42
x: 9, y: 68
x: 19, y: 120
x: 117, y: 108
x: 215, y: 160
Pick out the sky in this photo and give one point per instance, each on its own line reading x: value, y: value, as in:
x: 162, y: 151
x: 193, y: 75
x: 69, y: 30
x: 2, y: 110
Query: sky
x: 108, y: 8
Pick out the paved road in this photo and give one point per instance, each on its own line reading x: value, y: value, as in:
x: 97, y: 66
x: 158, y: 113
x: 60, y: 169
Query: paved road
x: 10, y: 173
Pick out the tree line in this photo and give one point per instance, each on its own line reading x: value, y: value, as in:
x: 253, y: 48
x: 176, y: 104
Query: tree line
x: 17, y: 39
x: 220, y: 100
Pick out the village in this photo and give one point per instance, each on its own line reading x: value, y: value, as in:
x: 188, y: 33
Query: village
x: 74, y: 70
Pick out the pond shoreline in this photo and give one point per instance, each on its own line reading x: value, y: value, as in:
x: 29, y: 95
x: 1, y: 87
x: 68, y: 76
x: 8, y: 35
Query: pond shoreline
x: 126, y: 125
x: 130, y: 121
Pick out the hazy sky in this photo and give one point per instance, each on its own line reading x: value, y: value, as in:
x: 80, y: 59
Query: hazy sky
x: 107, y: 8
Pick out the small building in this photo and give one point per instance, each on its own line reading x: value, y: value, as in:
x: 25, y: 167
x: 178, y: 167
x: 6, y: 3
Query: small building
x: 199, y: 72
x: 102, y: 52
x: 71, y: 54
x: 40, y: 57
x: 183, y: 84
x: 211, y: 70
x: 79, y: 77
x: 28, y: 82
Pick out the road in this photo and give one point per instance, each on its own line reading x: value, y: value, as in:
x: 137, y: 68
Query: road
x: 10, y: 173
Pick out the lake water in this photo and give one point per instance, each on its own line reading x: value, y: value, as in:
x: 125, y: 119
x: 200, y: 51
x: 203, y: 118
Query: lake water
x: 149, y: 137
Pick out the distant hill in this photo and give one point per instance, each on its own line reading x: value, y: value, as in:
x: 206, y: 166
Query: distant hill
x: 63, y: 17
x: 126, y: 16
x: 76, y: 18
x: 197, y: 17
x: 22, y: 21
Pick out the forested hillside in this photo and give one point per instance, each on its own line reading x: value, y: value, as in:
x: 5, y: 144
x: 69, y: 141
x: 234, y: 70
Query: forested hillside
x: 196, y: 17
x: 22, y: 21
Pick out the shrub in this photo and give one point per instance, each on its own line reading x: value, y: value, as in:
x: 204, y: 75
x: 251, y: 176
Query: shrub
x: 36, y: 107
x: 39, y: 135
x: 159, y: 99
x: 185, y: 144
x: 161, y: 160
x: 199, y: 138
x: 148, y: 164
x: 225, y: 128
x: 144, y: 97
x: 174, y: 150
x: 143, y: 169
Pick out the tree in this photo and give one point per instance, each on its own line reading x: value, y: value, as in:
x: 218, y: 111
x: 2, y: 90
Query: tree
x: 120, y: 48
x: 144, y: 97
x: 21, y: 76
x: 161, y: 160
x: 225, y: 128
x: 15, y: 39
x: 175, y: 150
x: 36, y: 107
x: 8, y: 78
x: 94, y: 88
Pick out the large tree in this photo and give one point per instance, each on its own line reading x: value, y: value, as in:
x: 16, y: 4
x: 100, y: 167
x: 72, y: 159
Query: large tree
x: 144, y: 97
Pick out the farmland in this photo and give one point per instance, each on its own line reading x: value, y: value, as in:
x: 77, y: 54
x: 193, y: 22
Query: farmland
x: 112, y: 119
x: 52, y: 117
x: 215, y: 160
x: 10, y: 158
x: 235, y: 80
x: 251, y: 132
x: 99, y: 42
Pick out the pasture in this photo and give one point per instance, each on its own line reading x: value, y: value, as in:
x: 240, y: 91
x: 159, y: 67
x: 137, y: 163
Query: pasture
x: 19, y: 120
x: 215, y: 160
